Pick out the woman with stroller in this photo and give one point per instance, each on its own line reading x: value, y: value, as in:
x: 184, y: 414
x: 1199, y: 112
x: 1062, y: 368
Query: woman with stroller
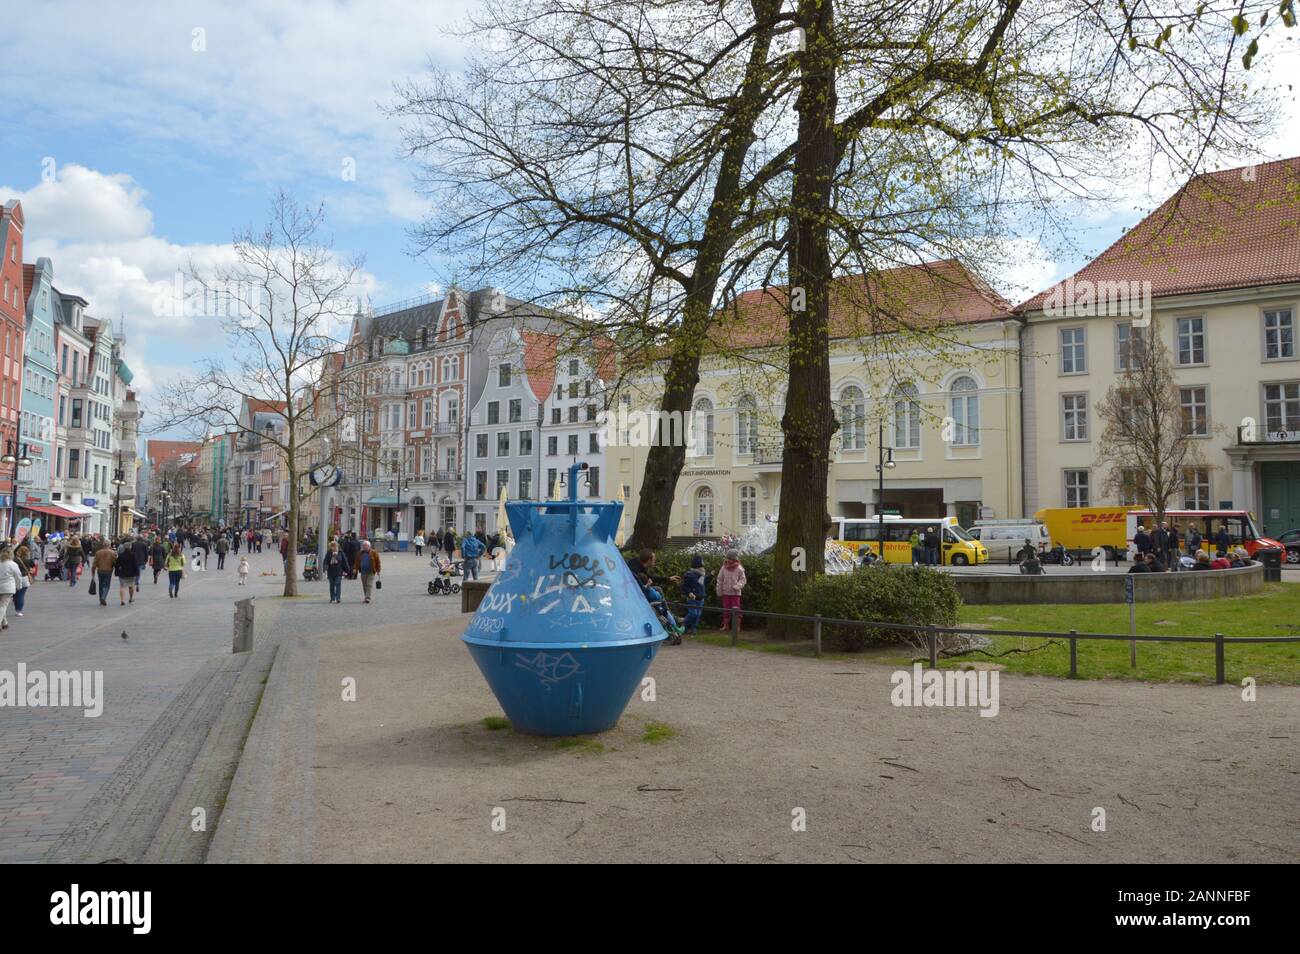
x: 640, y: 567
x: 73, y: 557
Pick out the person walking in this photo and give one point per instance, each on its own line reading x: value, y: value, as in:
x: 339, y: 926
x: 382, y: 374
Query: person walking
x: 335, y: 566
x: 449, y: 544
x: 23, y: 557
x: 128, y: 575
x: 157, y: 557
x: 471, y: 548
x: 243, y: 571
x: 73, y: 557
x: 221, y: 547
x: 105, y: 559
x: 1222, y: 541
x: 730, y: 584
x: 175, y: 565
x: 284, y: 552
x: 367, y: 567
x: 11, y: 579
x: 419, y: 543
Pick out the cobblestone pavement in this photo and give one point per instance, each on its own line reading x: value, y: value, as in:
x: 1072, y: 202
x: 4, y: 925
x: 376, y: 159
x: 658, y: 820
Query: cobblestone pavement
x: 52, y: 760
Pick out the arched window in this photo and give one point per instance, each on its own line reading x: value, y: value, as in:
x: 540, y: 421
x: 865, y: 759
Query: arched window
x: 702, y: 428
x: 704, y: 512
x: 853, y: 424
x: 746, y: 426
x: 907, y: 417
x: 748, y: 506
x: 964, y: 407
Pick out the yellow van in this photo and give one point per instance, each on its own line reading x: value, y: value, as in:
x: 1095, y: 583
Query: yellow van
x: 957, y: 547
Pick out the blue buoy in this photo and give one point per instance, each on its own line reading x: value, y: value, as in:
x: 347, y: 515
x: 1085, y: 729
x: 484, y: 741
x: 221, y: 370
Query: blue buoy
x: 564, y: 635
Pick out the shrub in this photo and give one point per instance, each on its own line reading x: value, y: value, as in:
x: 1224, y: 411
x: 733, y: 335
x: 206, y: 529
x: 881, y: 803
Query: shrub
x: 889, y: 594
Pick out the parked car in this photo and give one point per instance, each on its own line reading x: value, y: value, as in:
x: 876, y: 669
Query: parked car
x: 1291, y: 541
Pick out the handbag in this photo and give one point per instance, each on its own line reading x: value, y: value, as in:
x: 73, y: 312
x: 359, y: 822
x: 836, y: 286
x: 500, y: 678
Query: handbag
x: 379, y: 584
x: 92, y: 586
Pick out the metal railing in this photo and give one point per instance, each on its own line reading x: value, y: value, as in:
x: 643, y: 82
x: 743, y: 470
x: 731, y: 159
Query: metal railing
x: 932, y: 634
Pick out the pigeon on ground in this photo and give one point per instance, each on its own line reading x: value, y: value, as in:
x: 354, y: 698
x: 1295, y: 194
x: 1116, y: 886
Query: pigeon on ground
x: 124, y: 634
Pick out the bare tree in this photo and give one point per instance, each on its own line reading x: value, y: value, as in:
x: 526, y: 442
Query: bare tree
x: 284, y: 303
x: 1147, y: 442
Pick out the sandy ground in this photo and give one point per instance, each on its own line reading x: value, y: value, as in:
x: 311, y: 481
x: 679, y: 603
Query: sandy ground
x: 409, y: 773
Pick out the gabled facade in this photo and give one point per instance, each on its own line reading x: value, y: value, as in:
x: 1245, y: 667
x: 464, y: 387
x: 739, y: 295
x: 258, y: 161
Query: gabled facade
x: 13, y: 324
x: 40, y: 384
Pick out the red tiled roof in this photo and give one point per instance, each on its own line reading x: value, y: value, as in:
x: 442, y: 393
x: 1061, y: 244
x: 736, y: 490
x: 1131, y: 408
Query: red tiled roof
x: 1237, y: 228
x: 539, y: 361
x: 906, y: 298
x: 29, y: 278
x: 257, y: 405
x: 164, y: 452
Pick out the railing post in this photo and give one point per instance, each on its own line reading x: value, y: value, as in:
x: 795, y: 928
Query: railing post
x: 735, y: 627
x: 1218, y: 659
x: 817, y: 634
x: 1074, y: 655
x: 932, y: 641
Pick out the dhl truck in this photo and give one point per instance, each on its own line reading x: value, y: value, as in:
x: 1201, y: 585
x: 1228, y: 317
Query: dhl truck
x: 1113, y: 528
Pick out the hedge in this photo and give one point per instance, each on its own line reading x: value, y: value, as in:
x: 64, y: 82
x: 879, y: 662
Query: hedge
x: 891, y: 594
x: 758, y: 582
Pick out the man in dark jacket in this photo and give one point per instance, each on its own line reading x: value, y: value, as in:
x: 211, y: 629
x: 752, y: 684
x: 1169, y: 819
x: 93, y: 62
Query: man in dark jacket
x: 351, y: 547
x: 1142, y: 541
x: 157, y: 557
x: 128, y: 575
x: 140, y: 548
x: 1222, y: 541
x: 221, y: 547
x: 930, y: 540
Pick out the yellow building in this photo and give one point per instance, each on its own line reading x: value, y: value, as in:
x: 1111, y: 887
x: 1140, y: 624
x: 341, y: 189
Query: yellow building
x: 1215, y: 271
x: 928, y: 355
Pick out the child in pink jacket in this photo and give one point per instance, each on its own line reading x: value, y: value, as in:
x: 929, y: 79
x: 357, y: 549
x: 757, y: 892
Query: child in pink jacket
x: 731, y: 580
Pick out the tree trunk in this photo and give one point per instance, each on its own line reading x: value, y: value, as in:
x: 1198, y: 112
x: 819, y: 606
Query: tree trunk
x: 809, y: 422
x: 664, y: 463
x: 291, y: 554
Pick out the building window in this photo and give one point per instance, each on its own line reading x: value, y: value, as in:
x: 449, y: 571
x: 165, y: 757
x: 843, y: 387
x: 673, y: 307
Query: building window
x: 573, y: 414
x: 480, y: 484
x: 1282, y: 407
x: 1074, y: 355
x: 573, y: 445
x: 573, y: 367
x: 526, y: 484
x: 1196, y: 488
x: 593, y: 481
x: 1196, y: 421
x: 450, y: 458
x: 593, y: 443
x: 1074, y: 410
x: 428, y: 412
x: 494, y: 412
x: 503, y: 444
x: 1076, y: 488
x: 573, y: 389
x: 1279, y: 334
x: 480, y: 445
x: 704, y: 512
x: 907, y: 417
x: 591, y: 412
x: 426, y: 460
x: 555, y: 416
x: 552, y: 446
x: 746, y: 428
x: 516, y: 410
x: 964, y: 406
x: 503, y: 375
x: 453, y: 409
x: 525, y: 443
x: 1128, y: 341
x: 550, y: 482
x: 1191, y: 340
x: 748, y: 506
x: 503, y: 482
x: 853, y: 419
x: 1132, y: 487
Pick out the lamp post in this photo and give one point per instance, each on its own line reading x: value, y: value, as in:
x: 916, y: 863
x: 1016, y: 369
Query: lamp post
x: 20, y: 461
x: 165, y: 494
x: 885, y: 459
x: 119, y: 478
x: 399, y: 485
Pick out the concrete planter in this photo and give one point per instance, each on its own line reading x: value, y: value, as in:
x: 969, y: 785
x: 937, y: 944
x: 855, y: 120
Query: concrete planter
x: 1057, y: 586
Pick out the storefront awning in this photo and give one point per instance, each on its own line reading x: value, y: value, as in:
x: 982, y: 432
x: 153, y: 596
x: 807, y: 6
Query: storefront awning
x: 50, y: 510
x: 382, y: 502
x: 137, y: 513
x: 80, y: 510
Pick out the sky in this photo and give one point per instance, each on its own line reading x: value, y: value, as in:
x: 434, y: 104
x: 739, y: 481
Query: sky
x: 140, y: 136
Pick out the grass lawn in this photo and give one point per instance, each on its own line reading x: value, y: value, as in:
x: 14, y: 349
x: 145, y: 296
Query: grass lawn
x: 1275, y: 611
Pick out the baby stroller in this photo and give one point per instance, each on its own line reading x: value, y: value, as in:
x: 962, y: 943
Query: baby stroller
x: 310, y: 571
x: 443, y: 583
x: 53, y: 565
x: 666, y: 619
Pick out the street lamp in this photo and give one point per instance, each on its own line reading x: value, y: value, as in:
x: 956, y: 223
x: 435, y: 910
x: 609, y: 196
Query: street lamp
x: 165, y: 494
x: 119, y: 478
x: 885, y: 459
x: 399, y: 485
x: 20, y: 461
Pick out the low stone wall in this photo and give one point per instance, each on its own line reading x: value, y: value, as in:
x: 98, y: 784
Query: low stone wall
x: 472, y: 593
x: 1056, y: 586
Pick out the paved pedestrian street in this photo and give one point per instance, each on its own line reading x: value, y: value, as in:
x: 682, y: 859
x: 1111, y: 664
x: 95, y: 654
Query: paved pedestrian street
x: 53, y: 760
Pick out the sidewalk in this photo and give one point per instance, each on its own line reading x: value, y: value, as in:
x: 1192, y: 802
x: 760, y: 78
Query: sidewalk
x: 409, y: 772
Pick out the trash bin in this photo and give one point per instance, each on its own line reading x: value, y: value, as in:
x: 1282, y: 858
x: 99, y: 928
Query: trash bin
x: 1272, y: 560
x: 564, y: 635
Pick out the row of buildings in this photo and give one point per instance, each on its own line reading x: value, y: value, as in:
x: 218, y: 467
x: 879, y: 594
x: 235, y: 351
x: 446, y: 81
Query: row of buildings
x: 983, y: 408
x: 69, y: 420
x: 991, y: 410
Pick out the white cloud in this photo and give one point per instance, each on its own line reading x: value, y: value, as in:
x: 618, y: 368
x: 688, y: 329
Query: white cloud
x: 74, y: 203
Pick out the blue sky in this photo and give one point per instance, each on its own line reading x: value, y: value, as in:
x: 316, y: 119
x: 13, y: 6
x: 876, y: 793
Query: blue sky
x: 140, y: 135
